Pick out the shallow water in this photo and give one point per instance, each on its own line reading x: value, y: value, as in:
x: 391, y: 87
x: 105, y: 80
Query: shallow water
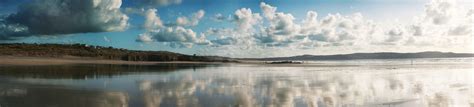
x: 359, y: 83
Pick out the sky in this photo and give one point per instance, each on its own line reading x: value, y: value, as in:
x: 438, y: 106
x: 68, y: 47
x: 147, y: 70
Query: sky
x: 244, y: 28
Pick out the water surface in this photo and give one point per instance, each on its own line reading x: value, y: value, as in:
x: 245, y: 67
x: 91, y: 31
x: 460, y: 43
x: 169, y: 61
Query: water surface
x: 359, y: 83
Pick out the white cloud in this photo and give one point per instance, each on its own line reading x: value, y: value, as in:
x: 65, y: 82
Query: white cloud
x: 330, y: 19
x: 443, y: 17
x: 311, y: 22
x: 193, y: 21
x: 283, y: 25
x: 324, y: 35
x: 461, y: 30
x: 281, y: 28
x: 246, y: 19
x: 440, y: 11
x: 418, y: 30
x: 278, y: 30
x: 228, y: 37
x: 334, y: 30
x: 145, y: 37
x: 177, y: 35
x: 283, y: 31
x: 224, y: 41
x: 394, y: 35
x: 152, y: 20
x: 268, y: 11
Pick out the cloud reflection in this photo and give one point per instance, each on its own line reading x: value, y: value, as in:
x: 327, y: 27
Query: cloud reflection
x: 300, y: 86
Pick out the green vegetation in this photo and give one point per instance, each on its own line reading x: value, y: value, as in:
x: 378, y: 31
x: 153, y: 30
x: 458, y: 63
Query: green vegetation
x: 99, y: 52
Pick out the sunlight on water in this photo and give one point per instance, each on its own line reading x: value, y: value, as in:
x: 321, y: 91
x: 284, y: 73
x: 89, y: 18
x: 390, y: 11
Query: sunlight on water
x: 433, y: 84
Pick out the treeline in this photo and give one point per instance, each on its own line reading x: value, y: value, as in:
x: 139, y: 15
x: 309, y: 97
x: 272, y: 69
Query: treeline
x: 99, y: 52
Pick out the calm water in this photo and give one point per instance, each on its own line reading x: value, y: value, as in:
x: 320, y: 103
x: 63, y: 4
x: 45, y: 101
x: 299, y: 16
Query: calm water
x: 364, y: 83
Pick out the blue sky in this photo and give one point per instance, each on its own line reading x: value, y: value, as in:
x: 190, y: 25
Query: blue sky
x: 376, y: 25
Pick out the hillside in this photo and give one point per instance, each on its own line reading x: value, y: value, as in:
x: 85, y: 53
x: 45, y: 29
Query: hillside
x: 99, y: 52
x: 381, y: 55
x: 110, y: 53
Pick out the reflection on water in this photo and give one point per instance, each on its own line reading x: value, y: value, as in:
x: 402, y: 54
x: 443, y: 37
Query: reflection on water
x: 14, y: 94
x: 427, y: 85
x: 83, y: 71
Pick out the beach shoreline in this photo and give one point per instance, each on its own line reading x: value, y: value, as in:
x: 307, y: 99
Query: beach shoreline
x: 71, y: 60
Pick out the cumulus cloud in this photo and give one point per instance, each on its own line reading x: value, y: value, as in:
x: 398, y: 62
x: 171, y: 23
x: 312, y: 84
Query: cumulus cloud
x: 246, y: 19
x: 145, y: 37
x: 324, y: 35
x: 54, y: 17
x: 338, y: 30
x: 440, y: 11
x: 280, y: 23
x: 283, y: 31
x: 152, y: 20
x: 310, y: 22
x: 461, y: 30
x: 274, y: 29
x: 268, y: 11
x: 176, y: 35
x: 192, y: 21
x: 224, y: 41
x: 394, y: 35
x: 173, y: 35
x: 418, y: 30
x: 228, y: 37
x: 444, y: 23
x: 282, y: 26
x: 331, y: 30
x: 443, y: 17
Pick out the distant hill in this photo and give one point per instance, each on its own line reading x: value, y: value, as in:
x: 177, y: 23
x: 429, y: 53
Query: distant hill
x: 110, y: 53
x: 99, y: 52
x: 380, y: 55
